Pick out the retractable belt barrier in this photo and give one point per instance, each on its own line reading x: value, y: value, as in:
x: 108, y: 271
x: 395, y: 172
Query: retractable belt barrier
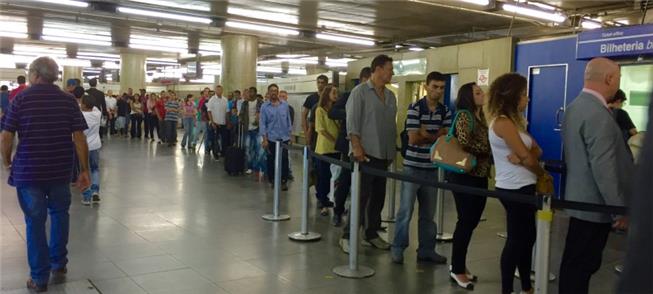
x: 544, y: 204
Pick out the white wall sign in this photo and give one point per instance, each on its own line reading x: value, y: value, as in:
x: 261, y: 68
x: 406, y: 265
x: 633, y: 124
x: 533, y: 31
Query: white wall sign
x: 483, y: 77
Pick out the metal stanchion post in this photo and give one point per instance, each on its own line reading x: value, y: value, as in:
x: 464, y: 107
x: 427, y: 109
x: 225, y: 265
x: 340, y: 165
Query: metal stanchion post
x: 304, y: 234
x: 353, y: 270
x: 543, y: 246
x: 392, y: 184
x: 275, y: 216
x: 439, y: 212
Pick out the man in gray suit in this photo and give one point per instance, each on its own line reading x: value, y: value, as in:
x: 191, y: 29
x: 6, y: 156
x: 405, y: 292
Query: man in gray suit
x: 598, y: 171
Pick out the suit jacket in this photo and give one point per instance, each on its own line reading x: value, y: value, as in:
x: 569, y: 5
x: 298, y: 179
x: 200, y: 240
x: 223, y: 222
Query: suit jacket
x: 599, y: 167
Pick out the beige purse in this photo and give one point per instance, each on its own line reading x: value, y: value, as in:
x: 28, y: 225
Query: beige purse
x: 447, y: 153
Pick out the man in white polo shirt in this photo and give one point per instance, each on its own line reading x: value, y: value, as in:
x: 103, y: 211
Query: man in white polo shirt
x: 217, y: 109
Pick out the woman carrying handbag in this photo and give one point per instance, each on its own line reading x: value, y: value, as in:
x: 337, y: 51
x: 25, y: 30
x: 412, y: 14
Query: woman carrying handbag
x: 470, y: 128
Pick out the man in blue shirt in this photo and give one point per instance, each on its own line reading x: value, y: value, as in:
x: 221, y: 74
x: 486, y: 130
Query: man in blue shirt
x: 427, y: 119
x: 4, y: 98
x: 42, y: 167
x: 275, y: 126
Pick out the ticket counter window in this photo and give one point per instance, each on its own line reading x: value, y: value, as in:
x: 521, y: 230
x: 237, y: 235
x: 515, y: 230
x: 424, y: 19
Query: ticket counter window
x: 637, y: 83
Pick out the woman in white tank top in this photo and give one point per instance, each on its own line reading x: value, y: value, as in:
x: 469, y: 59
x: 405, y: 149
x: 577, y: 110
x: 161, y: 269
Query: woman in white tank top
x: 516, y: 157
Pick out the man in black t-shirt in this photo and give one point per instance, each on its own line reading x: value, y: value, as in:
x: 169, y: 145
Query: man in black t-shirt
x: 621, y: 116
x: 308, y: 121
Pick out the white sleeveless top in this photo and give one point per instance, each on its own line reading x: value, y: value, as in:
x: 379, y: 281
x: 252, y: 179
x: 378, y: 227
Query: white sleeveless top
x: 508, y: 175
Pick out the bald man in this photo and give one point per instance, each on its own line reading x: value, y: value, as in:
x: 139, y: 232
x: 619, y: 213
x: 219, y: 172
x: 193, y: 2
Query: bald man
x: 599, y: 169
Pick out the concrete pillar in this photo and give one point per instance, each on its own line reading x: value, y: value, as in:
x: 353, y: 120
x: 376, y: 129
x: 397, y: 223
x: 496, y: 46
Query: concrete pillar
x: 132, y: 71
x: 239, y: 62
x: 71, y: 72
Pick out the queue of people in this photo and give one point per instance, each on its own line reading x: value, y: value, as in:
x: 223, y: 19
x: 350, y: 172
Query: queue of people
x: 357, y: 126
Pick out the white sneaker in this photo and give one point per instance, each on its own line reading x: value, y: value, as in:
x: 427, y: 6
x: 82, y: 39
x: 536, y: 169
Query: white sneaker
x: 376, y: 243
x: 344, y: 245
x: 86, y: 202
x: 248, y: 172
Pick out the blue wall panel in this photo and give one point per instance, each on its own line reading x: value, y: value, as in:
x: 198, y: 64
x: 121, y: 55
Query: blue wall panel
x: 553, y: 52
x: 548, y: 53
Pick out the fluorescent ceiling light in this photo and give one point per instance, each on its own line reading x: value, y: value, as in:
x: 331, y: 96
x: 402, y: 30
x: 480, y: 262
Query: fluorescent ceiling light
x: 175, y: 4
x: 75, y: 40
x: 265, y: 15
x: 410, y: 61
x: 536, y: 13
x: 165, y: 15
x: 296, y: 71
x: 77, y: 36
x: 292, y: 55
x: 111, y: 65
x: 66, y: 2
x: 157, y: 48
x: 262, y: 28
x: 345, y: 39
x: 291, y: 61
x: 416, y: 49
x: 590, y: 24
x: 343, y: 27
x: 73, y: 62
x: 13, y: 35
x: 477, y: 2
x: 97, y: 54
x: 268, y: 69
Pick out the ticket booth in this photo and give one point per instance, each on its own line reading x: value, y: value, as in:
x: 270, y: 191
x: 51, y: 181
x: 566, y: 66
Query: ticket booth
x: 555, y: 67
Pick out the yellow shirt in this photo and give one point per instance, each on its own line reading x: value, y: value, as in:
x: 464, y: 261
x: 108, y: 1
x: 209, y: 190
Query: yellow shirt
x: 324, y: 124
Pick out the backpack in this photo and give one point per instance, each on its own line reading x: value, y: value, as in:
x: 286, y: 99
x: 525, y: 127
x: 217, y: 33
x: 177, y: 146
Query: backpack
x: 423, y: 109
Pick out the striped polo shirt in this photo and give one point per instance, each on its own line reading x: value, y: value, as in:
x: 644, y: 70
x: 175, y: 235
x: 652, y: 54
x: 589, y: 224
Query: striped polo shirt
x: 172, y: 115
x: 44, y: 118
x: 419, y: 114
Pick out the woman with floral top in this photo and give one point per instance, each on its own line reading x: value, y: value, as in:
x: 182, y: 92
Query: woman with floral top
x: 471, y: 130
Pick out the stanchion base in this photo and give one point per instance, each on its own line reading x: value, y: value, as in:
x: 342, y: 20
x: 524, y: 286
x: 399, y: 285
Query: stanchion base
x: 444, y: 237
x: 361, y: 273
x: 273, y: 218
x: 310, y: 236
x: 552, y: 276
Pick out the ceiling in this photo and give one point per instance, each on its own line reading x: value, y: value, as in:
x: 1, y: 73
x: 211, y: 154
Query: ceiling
x: 393, y: 25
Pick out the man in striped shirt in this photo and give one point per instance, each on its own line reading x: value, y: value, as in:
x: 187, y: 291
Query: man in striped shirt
x: 49, y: 124
x: 427, y: 119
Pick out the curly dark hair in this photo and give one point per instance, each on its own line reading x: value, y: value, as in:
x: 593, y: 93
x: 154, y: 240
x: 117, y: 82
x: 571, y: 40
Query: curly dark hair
x: 504, y: 95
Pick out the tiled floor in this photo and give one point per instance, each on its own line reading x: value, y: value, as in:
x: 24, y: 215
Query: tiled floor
x: 172, y: 221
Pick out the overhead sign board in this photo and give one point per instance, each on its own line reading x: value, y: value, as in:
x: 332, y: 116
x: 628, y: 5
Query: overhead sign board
x: 615, y: 42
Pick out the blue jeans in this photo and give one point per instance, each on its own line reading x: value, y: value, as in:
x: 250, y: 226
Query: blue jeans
x: 201, y: 129
x: 36, y: 200
x: 426, y: 227
x: 94, y: 165
x: 252, y: 150
x: 189, y: 125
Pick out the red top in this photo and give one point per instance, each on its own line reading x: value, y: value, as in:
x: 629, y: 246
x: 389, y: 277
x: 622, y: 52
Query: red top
x: 15, y: 92
x: 160, y: 109
x: 144, y: 99
x: 203, y: 114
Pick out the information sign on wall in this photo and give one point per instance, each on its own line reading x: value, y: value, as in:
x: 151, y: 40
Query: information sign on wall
x: 483, y: 77
x: 615, y: 42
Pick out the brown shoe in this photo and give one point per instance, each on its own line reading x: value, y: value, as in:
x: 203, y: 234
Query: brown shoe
x: 59, y: 275
x: 32, y: 286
